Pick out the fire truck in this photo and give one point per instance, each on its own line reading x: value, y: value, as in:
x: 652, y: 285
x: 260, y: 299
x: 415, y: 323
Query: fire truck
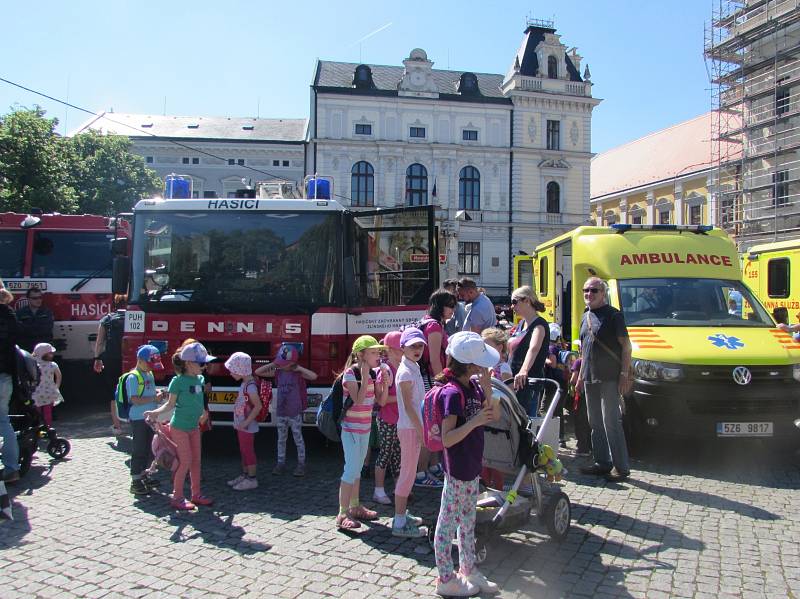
x: 69, y: 258
x: 248, y: 273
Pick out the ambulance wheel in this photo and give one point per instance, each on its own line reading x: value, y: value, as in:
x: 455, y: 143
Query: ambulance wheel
x: 557, y: 516
x: 58, y: 448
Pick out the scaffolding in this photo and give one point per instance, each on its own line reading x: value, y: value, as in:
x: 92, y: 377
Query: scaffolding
x: 752, y: 49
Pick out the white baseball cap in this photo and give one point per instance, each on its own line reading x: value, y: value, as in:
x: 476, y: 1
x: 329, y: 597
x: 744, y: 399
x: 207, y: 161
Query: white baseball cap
x: 555, y: 331
x: 468, y: 348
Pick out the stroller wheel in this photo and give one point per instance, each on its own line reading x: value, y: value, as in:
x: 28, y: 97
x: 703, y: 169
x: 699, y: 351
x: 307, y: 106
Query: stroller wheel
x: 58, y: 448
x: 557, y: 516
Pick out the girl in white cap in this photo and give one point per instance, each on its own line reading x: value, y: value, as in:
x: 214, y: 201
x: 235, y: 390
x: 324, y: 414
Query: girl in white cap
x: 245, y: 410
x: 47, y: 394
x: 465, y: 409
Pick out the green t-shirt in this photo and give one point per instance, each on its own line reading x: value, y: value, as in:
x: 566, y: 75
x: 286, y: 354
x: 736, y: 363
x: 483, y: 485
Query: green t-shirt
x: 189, y: 405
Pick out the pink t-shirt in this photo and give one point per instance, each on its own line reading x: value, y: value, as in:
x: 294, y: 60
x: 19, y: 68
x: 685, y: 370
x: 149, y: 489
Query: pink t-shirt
x: 389, y: 413
x: 358, y: 418
x: 429, y: 327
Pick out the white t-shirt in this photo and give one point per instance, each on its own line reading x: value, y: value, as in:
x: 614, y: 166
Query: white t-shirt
x: 408, y: 371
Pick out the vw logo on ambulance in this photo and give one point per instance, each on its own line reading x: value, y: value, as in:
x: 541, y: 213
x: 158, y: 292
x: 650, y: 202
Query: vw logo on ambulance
x: 742, y: 375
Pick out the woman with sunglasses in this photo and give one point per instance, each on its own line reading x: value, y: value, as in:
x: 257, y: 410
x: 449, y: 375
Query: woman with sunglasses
x: 528, y: 345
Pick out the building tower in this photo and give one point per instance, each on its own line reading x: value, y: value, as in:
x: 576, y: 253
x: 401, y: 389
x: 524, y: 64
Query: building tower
x: 753, y: 47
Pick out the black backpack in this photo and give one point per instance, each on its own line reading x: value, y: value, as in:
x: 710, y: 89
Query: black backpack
x: 333, y: 408
x: 115, y: 328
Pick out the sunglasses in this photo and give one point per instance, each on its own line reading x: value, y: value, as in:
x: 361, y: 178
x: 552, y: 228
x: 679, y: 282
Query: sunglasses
x: 517, y: 300
x: 591, y: 290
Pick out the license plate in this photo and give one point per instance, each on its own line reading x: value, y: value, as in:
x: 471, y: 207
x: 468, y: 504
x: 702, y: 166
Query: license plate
x: 223, y: 397
x: 744, y: 429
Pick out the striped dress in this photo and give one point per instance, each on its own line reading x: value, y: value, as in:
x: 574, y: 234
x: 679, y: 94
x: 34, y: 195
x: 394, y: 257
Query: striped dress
x: 358, y: 418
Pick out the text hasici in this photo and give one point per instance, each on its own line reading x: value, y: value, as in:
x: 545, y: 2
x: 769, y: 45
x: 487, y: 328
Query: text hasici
x: 674, y: 258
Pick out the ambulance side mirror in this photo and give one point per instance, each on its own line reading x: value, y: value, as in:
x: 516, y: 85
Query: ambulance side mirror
x: 119, y: 275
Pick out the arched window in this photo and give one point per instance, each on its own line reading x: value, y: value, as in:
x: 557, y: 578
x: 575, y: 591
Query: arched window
x: 552, y: 67
x: 469, y: 189
x: 362, y: 184
x: 553, y: 198
x: 416, y: 185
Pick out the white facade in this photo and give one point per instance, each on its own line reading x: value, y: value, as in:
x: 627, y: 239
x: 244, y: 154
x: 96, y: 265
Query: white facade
x: 446, y: 121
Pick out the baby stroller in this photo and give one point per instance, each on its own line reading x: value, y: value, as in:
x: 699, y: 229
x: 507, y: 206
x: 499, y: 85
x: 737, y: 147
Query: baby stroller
x: 511, y: 445
x: 27, y: 422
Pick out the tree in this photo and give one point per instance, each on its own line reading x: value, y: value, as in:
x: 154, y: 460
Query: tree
x: 33, y: 164
x: 90, y: 172
x: 107, y: 177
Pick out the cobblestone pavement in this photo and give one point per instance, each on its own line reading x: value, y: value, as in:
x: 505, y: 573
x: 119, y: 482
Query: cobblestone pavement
x: 714, y: 522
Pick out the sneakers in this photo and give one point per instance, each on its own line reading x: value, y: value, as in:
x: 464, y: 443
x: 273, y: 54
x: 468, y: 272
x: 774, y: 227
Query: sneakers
x: 138, y: 487
x: 484, y: 585
x: 428, y: 481
x: 202, y: 500
x: 615, y: 476
x: 246, y: 484
x: 408, y: 531
x: 382, y: 499
x: 299, y: 470
x: 415, y: 519
x: 436, y: 471
x: 457, y: 587
x: 235, y: 481
x: 595, y: 469
x: 182, y: 505
x: 280, y: 468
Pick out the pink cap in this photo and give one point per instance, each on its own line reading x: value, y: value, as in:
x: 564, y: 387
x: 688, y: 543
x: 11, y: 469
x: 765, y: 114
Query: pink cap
x: 392, y: 340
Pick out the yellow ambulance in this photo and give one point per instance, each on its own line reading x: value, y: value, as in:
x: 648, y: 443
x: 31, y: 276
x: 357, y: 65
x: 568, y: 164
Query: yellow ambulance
x: 708, y: 360
x: 772, y: 271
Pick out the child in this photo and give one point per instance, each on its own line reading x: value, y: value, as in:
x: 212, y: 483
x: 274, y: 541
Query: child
x: 359, y: 390
x: 47, y: 394
x: 388, y: 441
x: 186, y: 397
x: 291, y: 401
x: 245, y: 410
x: 410, y: 393
x: 465, y: 411
x: 498, y: 339
x: 140, y: 386
x: 494, y: 337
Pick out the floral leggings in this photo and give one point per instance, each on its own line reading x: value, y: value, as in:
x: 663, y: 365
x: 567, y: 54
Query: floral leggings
x: 456, y: 516
x: 388, y: 448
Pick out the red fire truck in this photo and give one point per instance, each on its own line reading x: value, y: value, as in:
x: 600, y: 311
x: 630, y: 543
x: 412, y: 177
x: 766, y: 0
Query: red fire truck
x: 245, y: 274
x: 68, y: 257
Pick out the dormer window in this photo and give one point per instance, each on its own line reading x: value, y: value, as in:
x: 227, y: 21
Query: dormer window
x: 552, y: 67
x: 362, y: 77
x: 468, y: 85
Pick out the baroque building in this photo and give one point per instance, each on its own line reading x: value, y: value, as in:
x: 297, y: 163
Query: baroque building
x: 505, y: 158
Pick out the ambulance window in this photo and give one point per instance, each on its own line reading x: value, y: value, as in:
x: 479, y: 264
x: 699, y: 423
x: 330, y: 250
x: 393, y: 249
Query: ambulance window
x: 778, y: 277
x: 543, y: 276
x: 525, y: 273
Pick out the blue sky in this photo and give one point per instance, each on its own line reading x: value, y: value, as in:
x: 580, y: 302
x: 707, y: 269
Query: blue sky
x: 238, y: 58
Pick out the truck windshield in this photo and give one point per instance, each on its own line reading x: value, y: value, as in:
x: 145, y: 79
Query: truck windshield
x: 236, y: 261
x: 70, y: 254
x: 12, y: 253
x: 690, y: 302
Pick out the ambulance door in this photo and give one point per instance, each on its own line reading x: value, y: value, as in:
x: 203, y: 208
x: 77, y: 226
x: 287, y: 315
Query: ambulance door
x: 563, y: 281
x: 523, y: 271
x: 545, y: 278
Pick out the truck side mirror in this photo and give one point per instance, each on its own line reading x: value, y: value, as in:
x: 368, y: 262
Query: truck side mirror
x: 119, y: 274
x: 119, y: 246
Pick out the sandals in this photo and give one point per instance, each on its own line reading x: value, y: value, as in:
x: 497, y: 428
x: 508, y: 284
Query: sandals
x: 345, y: 523
x: 202, y: 500
x: 361, y: 513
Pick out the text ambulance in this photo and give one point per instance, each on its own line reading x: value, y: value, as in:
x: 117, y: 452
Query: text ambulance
x: 701, y: 369
x: 249, y: 274
x: 68, y: 257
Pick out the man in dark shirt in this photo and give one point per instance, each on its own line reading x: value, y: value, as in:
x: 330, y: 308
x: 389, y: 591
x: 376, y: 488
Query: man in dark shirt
x: 605, y: 366
x: 8, y: 368
x: 35, y: 321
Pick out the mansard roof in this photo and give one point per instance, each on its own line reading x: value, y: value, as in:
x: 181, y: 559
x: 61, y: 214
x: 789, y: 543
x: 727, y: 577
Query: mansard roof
x: 337, y: 77
x: 526, y: 55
